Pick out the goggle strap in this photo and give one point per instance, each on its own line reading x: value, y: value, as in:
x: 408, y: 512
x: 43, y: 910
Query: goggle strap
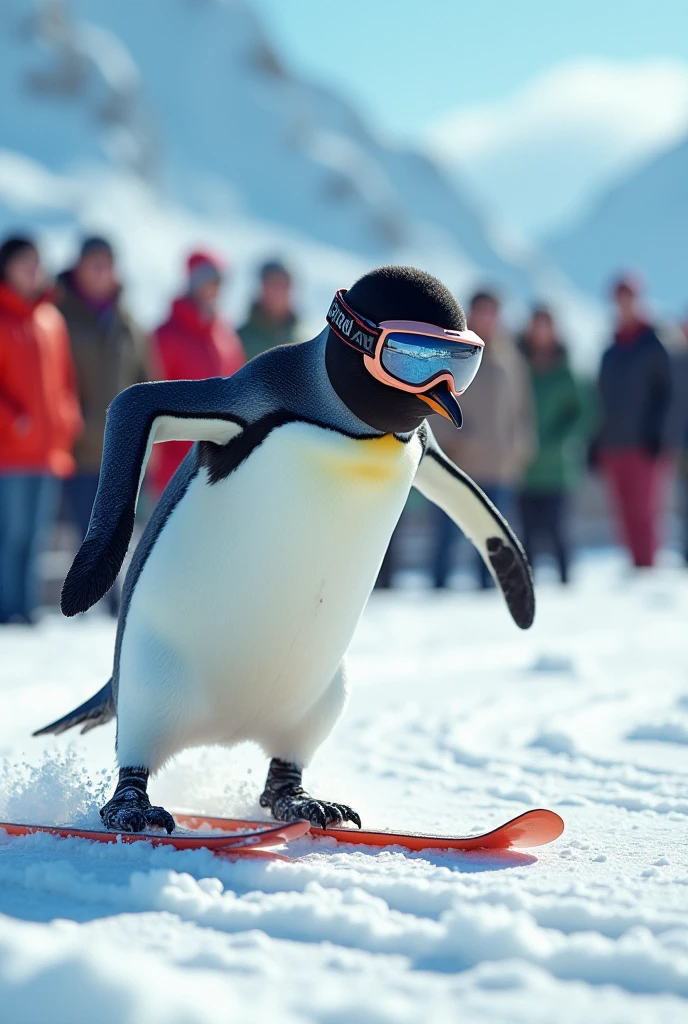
x: 352, y: 328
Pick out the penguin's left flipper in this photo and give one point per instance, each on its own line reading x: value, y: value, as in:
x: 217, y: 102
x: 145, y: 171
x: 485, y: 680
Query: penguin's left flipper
x: 455, y: 493
x: 185, y: 410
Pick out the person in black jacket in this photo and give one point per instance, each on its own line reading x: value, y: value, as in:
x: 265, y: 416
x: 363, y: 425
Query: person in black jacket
x: 681, y: 424
x: 635, y: 393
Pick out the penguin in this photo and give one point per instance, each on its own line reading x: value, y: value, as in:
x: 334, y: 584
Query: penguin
x: 248, y: 582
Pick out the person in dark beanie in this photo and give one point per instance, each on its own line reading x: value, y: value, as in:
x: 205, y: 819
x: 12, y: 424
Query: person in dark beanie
x: 109, y: 352
x: 271, y: 320
x: 632, y: 449
x: 193, y: 343
x: 39, y: 422
x: 560, y: 418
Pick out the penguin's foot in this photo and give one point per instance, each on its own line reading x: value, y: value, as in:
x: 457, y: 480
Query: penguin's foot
x: 288, y: 800
x: 291, y: 805
x: 130, y: 810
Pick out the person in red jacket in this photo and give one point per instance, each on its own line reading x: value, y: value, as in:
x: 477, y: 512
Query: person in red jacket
x: 39, y: 422
x: 193, y: 343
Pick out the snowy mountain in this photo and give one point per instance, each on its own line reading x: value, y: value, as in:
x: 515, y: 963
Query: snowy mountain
x: 641, y: 223
x: 539, y: 156
x: 174, y: 121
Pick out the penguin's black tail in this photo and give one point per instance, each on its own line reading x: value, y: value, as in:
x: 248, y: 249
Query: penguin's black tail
x: 97, y: 710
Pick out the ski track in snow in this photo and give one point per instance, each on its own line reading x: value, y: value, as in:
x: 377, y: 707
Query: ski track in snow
x: 457, y: 721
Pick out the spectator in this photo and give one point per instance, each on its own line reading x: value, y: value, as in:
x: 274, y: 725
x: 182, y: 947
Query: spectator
x: 497, y: 439
x: 680, y: 404
x: 635, y: 393
x: 560, y: 412
x: 193, y: 343
x: 272, y: 320
x: 39, y: 422
x: 108, y: 350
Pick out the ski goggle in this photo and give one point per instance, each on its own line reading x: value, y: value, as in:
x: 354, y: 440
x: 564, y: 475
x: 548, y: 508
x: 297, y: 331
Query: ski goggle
x: 415, y: 357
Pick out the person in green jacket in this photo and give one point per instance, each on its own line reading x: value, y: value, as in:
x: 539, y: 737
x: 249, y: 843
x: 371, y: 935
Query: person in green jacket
x: 272, y: 320
x: 561, y: 413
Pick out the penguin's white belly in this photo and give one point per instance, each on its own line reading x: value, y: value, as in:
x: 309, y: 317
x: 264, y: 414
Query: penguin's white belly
x: 249, y: 598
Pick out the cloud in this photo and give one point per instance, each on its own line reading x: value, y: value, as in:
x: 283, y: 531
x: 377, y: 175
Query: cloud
x: 539, y: 157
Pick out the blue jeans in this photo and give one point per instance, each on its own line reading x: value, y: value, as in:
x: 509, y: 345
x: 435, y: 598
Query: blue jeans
x: 80, y: 493
x: 28, y: 506
x: 447, y: 533
x: 684, y: 488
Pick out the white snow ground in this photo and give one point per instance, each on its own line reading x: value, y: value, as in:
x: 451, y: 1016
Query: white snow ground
x: 457, y: 721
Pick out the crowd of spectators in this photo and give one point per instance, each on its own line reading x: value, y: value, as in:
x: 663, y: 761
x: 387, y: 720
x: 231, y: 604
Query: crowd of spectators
x: 531, y: 425
x: 66, y: 349
x: 533, y: 428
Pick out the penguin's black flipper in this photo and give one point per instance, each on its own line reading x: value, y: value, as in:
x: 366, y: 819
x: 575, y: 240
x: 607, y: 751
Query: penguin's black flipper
x: 97, y: 710
x: 472, y: 511
x: 162, y: 411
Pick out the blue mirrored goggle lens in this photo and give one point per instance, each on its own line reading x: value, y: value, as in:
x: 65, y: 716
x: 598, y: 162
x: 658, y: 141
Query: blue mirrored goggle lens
x: 417, y: 359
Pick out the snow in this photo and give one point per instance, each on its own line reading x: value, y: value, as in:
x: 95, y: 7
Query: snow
x: 673, y: 731
x: 200, y: 134
x: 457, y: 721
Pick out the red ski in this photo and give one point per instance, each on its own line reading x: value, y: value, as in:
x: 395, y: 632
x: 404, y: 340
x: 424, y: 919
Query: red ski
x: 235, y: 837
x: 532, y: 828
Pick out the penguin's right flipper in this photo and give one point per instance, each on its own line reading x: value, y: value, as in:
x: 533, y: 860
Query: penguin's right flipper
x: 97, y: 710
x: 460, y: 497
x: 187, y: 410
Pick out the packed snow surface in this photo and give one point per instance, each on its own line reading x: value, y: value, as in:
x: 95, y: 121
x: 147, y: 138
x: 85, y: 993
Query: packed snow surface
x: 457, y: 722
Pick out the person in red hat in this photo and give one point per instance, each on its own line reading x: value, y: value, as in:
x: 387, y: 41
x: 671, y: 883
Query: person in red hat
x: 193, y: 343
x: 633, y: 446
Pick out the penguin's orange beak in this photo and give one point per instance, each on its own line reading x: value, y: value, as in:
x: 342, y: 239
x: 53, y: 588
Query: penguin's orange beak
x: 443, y: 401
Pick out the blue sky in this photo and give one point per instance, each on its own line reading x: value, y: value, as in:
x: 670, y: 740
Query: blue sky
x: 408, y: 62
x: 537, y: 106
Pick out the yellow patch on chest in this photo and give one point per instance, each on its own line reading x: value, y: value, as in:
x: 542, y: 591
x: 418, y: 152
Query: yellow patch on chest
x: 381, y: 459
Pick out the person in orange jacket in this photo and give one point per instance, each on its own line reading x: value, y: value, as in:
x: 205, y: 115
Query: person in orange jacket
x: 193, y: 343
x: 39, y: 422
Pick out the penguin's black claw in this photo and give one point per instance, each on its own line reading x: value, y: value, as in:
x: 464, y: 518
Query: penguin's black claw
x: 288, y: 800
x: 160, y: 818
x: 320, y: 813
x: 347, y: 813
x: 127, y: 815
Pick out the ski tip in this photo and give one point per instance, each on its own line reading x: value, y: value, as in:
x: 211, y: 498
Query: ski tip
x: 533, y: 828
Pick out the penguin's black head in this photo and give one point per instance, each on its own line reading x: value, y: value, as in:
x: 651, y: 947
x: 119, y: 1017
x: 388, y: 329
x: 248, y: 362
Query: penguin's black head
x: 389, y: 293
